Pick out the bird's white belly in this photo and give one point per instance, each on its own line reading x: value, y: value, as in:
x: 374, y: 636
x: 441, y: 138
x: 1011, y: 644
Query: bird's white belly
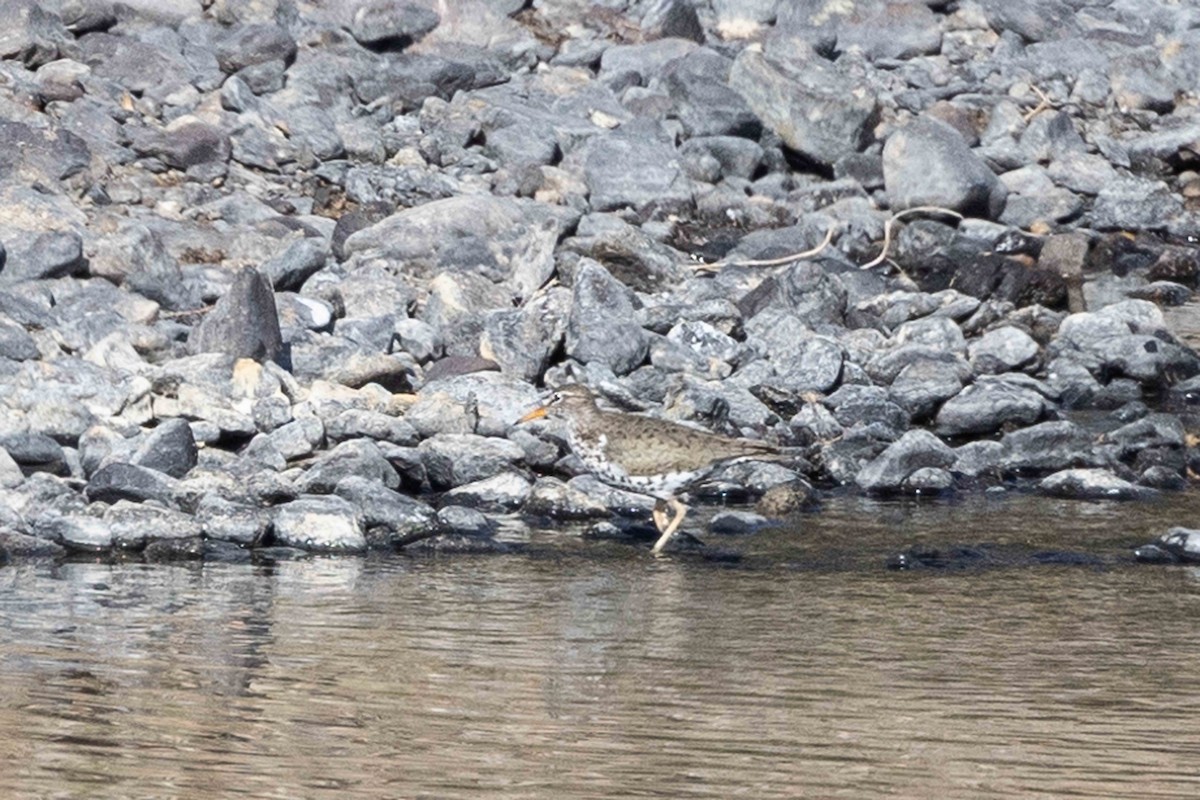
x: 594, y: 459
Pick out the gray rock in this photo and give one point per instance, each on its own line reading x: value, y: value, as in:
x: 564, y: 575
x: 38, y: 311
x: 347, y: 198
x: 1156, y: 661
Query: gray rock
x: 327, y: 524
x: 881, y: 29
x: 976, y: 459
x: 464, y: 521
x: 391, y: 518
x: 737, y: 523
x: 381, y: 22
x: 502, y: 239
x: 863, y: 405
x: 1048, y: 447
x: 555, y: 499
x: 32, y: 34
x: 15, y: 343
x: 812, y: 364
x: 356, y: 423
x: 985, y: 406
x: 296, y: 263
x: 1092, y: 484
x: 1183, y: 543
x: 601, y: 328
x: 134, y: 65
x: 35, y: 452
x: 1038, y: 21
x: 483, y: 402
x: 185, y: 143
x: 523, y: 340
x: 928, y: 163
x: 357, y: 458
x: 243, y: 323
x: 16, y: 547
x: 247, y: 45
x: 1027, y: 209
x: 504, y: 492
x: 299, y: 438
x: 806, y: 291
x: 170, y: 449
x: 456, y: 459
x: 938, y: 333
x: 81, y: 532
x: 634, y: 171
x: 42, y: 155
x: 1131, y: 203
x: 1003, y: 349
x: 628, y: 253
x: 914, y: 450
x: 736, y: 157
x: 635, y: 64
x: 886, y: 366
x: 816, y: 110
x: 10, y: 472
x: 923, y: 385
x: 227, y: 521
x: 117, y: 481
x: 36, y: 256
x: 1163, y: 478
x: 1151, y: 431
x: 134, y: 525
x: 929, y: 480
x: 705, y: 104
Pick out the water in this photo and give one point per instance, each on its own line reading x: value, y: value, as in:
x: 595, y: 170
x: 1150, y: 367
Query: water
x: 588, y: 669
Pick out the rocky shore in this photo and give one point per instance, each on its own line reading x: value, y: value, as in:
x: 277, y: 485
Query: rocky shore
x: 279, y: 275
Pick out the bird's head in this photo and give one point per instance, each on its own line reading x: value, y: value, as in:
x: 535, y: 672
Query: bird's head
x: 566, y: 403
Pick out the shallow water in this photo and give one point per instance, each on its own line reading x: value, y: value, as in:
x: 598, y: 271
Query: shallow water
x: 590, y: 669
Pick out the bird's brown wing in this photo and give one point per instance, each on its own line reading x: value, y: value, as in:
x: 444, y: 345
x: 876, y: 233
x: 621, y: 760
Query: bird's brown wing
x: 645, y: 447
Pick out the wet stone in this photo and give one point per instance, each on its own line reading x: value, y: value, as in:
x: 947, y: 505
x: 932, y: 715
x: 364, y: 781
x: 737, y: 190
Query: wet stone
x: 80, y: 532
x: 228, y: 521
x: 391, y: 518
x: 504, y: 492
x: 1048, y: 447
x: 1092, y: 484
x: 1182, y: 543
x: 134, y: 525
x: 913, y: 451
x: 557, y: 499
x: 929, y: 480
x: 325, y: 524
x: 15, y: 547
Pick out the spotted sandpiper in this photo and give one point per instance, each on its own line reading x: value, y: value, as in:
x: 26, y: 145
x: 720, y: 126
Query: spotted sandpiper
x: 643, y: 454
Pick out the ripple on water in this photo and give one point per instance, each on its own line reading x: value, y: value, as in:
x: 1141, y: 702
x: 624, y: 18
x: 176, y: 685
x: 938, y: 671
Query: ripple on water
x: 583, y: 669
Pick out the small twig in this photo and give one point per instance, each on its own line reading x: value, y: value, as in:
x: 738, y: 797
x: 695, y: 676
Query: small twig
x: 770, y: 262
x: 1044, y: 104
x: 887, y: 229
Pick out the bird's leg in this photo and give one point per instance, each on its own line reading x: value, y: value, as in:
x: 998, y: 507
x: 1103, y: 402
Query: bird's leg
x: 660, y: 515
x: 679, y: 510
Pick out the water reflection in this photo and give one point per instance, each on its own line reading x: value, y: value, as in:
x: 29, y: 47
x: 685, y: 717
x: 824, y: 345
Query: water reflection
x: 590, y: 670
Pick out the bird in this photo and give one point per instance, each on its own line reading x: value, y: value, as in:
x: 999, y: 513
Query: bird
x: 643, y: 454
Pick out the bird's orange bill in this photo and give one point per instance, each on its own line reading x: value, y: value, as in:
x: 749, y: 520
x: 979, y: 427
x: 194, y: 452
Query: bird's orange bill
x: 537, y: 413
